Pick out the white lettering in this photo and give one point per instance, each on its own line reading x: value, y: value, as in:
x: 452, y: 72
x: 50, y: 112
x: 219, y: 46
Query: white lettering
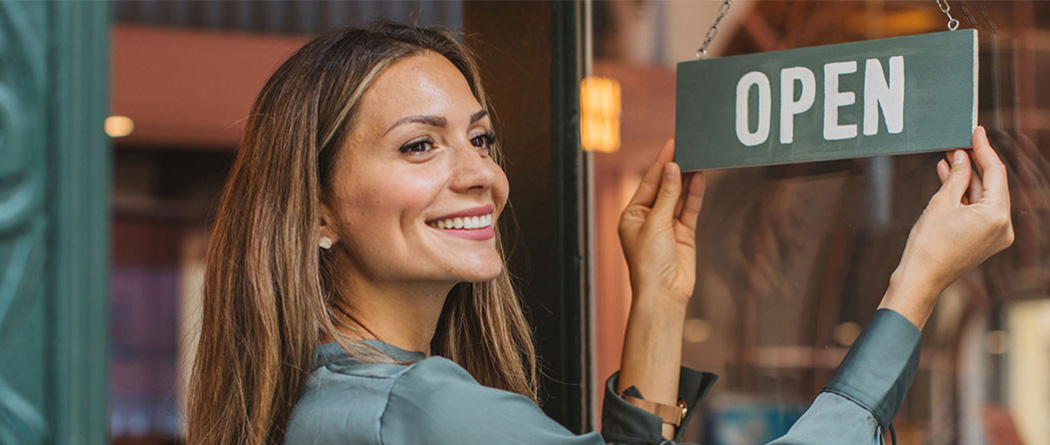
x: 833, y: 99
x: 789, y: 107
x: 743, y: 92
x: 890, y: 98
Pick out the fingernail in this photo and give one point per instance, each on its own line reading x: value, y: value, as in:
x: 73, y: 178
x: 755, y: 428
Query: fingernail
x: 669, y: 170
x: 958, y: 157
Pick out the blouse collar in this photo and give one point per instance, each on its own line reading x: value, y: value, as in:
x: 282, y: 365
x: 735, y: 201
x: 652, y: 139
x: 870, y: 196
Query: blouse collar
x: 328, y: 353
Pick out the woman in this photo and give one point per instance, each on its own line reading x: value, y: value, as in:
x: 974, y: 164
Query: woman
x: 356, y: 290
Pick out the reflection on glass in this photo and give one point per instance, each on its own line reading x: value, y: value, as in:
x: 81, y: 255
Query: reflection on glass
x: 794, y: 259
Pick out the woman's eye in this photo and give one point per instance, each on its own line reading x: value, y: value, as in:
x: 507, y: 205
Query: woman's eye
x: 484, y: 140
x: 418, y: 146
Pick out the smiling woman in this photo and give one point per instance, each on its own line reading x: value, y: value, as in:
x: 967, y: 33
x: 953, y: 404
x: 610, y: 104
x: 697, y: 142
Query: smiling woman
x: 393, y: 185
x: 356, y: 289
x: 314, y: 169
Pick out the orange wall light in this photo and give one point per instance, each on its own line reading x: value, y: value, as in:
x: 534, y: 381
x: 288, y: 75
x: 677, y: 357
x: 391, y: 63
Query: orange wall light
x: 600, y: 114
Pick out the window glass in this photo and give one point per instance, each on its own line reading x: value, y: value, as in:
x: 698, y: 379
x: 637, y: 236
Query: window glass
x: 794, y: 259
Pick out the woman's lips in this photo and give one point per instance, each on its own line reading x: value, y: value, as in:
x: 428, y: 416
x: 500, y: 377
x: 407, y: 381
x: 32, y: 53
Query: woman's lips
x: 477, y: 228
x: 482, y: 234
x: 487, y: 209
x: 473, y: 223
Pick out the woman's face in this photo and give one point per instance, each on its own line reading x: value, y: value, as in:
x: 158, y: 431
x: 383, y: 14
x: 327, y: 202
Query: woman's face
x: 415, y: 192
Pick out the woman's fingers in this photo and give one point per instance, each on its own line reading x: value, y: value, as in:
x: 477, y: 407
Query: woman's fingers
x: 686, y: 177
x: 976, y: 188
x: 647, y: 190
x: 993, y: 172
x: 958, y: 180
x: 667, y: 197
x: 943, y: 170
x: 979, y: 133
x: 666, y: 153
x: 694, y: 200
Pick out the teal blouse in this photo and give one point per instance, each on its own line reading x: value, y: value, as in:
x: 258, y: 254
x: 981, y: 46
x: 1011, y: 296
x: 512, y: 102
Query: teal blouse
x: 432, y: 400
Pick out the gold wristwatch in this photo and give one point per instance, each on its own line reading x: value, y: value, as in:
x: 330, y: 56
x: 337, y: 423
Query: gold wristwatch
x: 672, y: 414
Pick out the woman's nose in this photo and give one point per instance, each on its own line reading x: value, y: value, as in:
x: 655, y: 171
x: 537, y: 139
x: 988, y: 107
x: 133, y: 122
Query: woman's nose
x: 474, y: 170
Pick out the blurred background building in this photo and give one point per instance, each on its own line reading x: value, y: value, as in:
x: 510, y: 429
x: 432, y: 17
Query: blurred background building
x: 97, y: 331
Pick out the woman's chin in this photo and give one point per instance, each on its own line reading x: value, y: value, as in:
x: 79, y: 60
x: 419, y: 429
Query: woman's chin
x: 477, y: 269
x: 479, y: 275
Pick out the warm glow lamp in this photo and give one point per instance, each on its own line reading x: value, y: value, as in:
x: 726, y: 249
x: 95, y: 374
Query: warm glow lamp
x: 600, y: 114
x: 118, y: 126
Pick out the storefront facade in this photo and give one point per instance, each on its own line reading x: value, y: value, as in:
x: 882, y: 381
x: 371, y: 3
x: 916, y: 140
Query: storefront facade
x: 102, y: 238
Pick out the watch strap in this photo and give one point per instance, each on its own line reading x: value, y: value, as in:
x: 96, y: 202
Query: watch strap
x: 672, y: 414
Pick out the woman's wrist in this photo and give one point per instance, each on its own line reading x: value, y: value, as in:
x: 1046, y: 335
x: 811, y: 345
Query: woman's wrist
x: 911, y: 294
x: 653, y: 348
x: 659, y: 297
x: 660, y: 315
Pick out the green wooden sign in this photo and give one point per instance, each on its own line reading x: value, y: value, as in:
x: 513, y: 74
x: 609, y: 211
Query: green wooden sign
x: 877, y: 97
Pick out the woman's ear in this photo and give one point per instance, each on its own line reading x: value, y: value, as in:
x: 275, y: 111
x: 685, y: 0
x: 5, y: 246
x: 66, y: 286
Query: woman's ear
x: 326, y: 228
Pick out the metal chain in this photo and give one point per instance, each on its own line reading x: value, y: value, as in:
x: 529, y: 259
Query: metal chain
x: 952, y: 23
x: 701, y: 53
x: 713, y: 31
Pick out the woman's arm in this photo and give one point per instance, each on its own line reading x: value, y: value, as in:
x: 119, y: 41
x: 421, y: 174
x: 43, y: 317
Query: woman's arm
x: 658, y: 234
x: 966, y: 221
x: 867, y: 389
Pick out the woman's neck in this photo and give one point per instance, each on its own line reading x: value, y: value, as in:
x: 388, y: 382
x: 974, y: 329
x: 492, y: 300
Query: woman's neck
x: 404, y: 315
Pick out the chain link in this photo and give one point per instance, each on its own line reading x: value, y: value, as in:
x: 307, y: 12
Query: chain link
x: 701, y: 53
x: 713, y: 30
x: 952, y: 23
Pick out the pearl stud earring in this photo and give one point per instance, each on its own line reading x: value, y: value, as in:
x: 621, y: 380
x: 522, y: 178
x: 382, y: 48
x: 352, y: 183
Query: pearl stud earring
x: 325, y: 243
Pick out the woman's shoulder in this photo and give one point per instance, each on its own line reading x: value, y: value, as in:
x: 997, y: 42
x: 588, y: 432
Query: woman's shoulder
x: 437, y: 401
x: 346, y: 399
x: 432, y: 400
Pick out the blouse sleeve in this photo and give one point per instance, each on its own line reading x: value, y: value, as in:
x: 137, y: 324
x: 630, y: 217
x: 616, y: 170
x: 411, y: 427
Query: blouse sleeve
x: 623, y: 423
x: 862, y: 398
x: 437, y: 401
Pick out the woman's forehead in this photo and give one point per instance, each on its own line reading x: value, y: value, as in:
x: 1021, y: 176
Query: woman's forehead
x: 426, y: 84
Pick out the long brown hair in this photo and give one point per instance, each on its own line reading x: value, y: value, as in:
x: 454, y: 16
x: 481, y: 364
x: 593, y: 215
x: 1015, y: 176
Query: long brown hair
x: 268, y: 297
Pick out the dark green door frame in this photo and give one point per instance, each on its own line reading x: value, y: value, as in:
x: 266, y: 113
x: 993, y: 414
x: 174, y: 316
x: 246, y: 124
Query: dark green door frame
x: 54, y: 224
x: 530, y: 65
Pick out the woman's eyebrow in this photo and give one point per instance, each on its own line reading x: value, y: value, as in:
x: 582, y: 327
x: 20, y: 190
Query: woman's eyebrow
x: 435, y: 121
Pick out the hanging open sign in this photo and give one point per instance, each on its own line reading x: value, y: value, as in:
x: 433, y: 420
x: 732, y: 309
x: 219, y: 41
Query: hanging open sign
x: 870, y: 98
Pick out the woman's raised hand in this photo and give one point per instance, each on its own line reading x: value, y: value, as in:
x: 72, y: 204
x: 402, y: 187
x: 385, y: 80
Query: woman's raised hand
x: 658, y: 231
x: 966, y: 221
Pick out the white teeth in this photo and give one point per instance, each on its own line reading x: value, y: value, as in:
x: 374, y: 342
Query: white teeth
x: 469, y: 222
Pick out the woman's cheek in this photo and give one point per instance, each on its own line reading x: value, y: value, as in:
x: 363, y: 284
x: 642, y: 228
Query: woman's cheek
x: 411, y: 192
